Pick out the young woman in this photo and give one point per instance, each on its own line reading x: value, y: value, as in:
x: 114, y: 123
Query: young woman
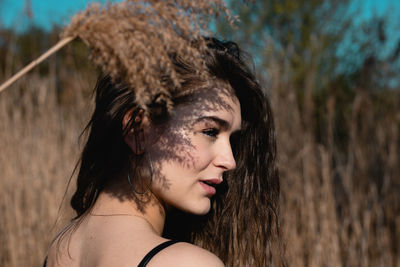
x: 196, y: 186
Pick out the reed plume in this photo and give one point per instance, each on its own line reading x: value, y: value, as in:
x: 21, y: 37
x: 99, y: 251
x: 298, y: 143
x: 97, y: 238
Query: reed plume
x: 133, y: 41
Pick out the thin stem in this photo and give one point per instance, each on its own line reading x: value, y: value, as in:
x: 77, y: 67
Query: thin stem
x: 37, y: 61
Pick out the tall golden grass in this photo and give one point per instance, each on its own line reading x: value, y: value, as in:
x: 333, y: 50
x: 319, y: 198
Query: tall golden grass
x: 340, y: 190
x: 340, y: 203
x: 41, y: 118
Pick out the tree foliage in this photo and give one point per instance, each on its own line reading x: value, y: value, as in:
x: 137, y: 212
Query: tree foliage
x: 298, y: 32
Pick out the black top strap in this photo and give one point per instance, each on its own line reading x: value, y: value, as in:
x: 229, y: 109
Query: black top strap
x: 154, y: 251
x: 148, y: 256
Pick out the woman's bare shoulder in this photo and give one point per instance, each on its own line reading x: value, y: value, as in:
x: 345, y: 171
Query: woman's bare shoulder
x: 185, y: 254
x: 107, y: 245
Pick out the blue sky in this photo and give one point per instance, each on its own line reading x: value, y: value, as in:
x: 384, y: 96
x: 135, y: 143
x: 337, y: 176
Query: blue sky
x: 45, y: 13
x: 49, y: 12
x: 363, y: 11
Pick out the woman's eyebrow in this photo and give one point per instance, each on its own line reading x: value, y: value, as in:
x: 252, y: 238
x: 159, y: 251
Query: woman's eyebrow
x: 225, y: 125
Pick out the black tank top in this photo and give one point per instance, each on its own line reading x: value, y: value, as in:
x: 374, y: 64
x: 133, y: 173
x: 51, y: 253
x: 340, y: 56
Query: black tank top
x: 154, y: 251
x: 148, y: 256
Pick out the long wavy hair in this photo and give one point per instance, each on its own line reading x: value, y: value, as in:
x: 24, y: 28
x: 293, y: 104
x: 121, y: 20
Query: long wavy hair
x: 242, y: 227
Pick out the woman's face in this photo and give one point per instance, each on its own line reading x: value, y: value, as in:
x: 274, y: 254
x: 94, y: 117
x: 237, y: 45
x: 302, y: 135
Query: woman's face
x: 193, y: 150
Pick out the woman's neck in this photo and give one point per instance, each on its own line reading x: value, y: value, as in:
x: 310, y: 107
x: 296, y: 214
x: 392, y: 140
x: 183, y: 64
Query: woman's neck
x: 148, y: 208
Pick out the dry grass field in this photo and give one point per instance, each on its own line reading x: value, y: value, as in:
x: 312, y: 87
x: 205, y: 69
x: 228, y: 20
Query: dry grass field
x: 41, y: 119
x: 340, y: 190
x: 340, y: 201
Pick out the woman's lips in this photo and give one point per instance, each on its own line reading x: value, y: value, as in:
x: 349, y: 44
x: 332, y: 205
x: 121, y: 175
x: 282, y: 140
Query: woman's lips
x: 209, y: 185
x: 208, y: 188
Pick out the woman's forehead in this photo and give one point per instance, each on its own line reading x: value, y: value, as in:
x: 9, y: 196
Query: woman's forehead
x: 214, y: 102
x: 211, y: 95
x: 206, y: 100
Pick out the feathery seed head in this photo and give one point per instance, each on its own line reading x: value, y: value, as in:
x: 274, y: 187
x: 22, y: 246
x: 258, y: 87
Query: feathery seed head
x: 133, y: 41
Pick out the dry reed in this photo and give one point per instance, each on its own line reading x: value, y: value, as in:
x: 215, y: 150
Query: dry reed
x: 40, y: 121
x: 133, y: 41
x: 339, y: 196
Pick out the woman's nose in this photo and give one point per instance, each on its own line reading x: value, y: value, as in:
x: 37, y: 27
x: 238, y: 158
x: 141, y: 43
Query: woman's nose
x: 224, y: 157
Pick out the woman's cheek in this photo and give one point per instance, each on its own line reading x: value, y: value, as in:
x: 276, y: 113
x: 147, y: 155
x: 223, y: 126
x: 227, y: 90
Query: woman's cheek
x: 203, y: 151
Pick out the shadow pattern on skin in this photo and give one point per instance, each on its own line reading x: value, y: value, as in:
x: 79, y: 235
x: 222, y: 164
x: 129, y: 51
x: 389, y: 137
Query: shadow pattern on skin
x: 170, y: 141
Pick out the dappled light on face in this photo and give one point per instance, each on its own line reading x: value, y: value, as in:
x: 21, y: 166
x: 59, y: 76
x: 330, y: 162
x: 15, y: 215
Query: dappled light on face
x: 171, y: 142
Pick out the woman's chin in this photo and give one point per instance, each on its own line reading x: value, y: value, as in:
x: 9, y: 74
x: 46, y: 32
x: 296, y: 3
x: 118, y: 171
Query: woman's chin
x: 203, y: 209
x: 199, y: 208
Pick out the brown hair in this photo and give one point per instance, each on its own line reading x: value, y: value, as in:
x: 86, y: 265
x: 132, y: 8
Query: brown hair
x: 242, y: 227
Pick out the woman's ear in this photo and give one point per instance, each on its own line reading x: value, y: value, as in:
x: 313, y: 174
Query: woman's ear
x: 135, y: 120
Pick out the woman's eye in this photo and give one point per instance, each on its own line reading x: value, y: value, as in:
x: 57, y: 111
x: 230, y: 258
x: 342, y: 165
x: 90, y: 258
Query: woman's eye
x: 212, y: 132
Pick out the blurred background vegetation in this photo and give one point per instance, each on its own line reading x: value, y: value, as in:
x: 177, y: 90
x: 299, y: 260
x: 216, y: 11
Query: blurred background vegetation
x: 334, y: 85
